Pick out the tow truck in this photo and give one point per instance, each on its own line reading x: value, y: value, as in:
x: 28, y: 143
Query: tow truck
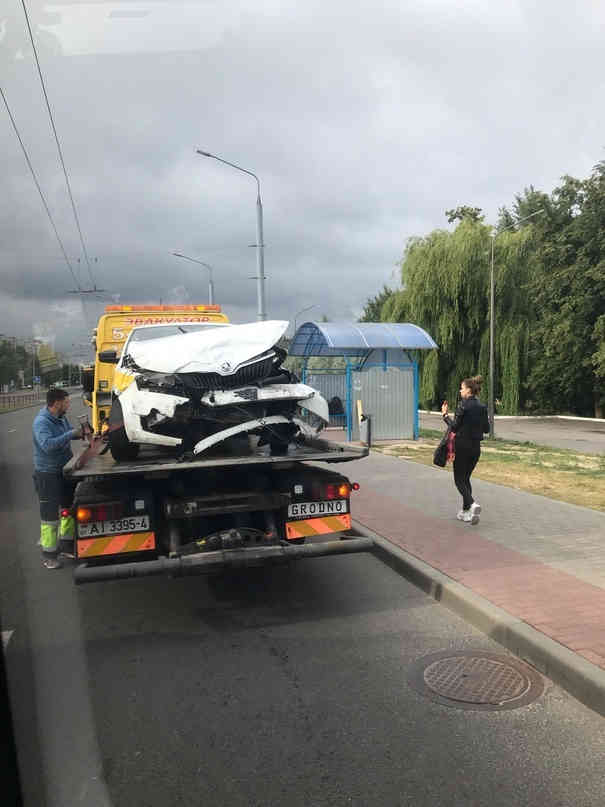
x: 237, y: 505
x: 110, y: 335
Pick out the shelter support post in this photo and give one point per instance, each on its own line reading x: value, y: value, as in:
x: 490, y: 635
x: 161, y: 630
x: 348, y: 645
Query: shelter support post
x: 349, y: 402
x: 416, y: 400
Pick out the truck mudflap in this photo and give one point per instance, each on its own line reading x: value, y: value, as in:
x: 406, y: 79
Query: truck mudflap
x: 220, y: 560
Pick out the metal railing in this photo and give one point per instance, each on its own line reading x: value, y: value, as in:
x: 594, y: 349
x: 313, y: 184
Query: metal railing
x: 17, y: 400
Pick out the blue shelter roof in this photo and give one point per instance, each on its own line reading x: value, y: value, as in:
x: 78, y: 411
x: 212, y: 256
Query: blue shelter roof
x: 357, y: 338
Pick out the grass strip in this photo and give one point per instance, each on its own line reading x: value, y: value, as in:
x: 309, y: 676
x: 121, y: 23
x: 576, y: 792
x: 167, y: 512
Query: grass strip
x: 559, y: 474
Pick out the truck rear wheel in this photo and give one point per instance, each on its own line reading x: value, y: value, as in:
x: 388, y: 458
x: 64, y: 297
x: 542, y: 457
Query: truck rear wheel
x: 119, y: 445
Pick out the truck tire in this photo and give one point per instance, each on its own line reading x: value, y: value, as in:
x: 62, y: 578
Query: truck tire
x: 121, y: 448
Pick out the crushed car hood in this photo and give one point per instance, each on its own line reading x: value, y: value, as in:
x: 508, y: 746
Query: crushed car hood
x: 217, y: 350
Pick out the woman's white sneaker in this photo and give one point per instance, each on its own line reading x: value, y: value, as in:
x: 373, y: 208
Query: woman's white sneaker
x: 460, y: 514
x: 474, y: 511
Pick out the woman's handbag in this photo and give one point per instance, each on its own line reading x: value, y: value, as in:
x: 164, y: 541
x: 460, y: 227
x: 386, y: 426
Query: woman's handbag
x: 440, y: 455
x: 451, y: 446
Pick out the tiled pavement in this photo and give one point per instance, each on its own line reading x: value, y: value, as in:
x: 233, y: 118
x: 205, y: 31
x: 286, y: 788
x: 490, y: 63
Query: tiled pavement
x: 540, y: 560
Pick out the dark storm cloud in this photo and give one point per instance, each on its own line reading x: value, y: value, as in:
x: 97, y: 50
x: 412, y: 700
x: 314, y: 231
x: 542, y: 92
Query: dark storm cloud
x: 363, y: 123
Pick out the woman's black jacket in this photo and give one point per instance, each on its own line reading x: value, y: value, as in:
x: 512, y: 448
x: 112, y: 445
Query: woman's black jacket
x: 470, y: 421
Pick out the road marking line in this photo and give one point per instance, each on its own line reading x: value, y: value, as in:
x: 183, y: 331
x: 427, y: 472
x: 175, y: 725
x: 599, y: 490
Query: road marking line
x: 10, y: 431
x: 6, y: 635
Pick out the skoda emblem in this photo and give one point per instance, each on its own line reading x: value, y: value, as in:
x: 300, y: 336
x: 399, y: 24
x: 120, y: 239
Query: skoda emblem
x: 225, y: 366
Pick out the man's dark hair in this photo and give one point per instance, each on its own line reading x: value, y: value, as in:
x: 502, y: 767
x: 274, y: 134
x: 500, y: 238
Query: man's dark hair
x: 53, y: 395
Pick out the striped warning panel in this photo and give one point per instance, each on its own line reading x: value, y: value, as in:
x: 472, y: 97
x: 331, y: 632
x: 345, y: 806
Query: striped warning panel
x: 115, y: 544
x: 317, y: 526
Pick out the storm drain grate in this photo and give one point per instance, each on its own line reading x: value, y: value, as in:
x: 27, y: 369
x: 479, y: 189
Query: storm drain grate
x: 476, y: 680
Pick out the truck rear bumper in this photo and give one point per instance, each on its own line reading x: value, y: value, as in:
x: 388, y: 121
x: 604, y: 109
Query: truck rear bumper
x: 208, y: 562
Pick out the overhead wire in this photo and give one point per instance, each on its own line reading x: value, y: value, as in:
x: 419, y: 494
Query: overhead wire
x: 59, y: 149
x: 33, y: 173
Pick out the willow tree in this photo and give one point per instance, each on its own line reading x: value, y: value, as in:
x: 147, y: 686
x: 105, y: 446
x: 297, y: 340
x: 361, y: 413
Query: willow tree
x: 445, y: 279
x: 568, y: 374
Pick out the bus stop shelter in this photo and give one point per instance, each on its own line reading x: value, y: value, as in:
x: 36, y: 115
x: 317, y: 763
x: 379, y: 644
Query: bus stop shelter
x: 380, y: 372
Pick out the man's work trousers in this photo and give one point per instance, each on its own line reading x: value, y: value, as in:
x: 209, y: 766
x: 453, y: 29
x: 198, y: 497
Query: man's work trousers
x: 55, y: 493
x: 467, y: 456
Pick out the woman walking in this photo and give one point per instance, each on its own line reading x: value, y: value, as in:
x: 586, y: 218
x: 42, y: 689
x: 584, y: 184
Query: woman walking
x: 469, y: 424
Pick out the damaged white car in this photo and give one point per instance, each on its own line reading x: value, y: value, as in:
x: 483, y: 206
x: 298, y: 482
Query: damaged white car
x: 194, y: 386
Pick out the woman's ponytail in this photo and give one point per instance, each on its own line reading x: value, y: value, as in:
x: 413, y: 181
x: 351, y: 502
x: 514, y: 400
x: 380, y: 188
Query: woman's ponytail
x: 474, y: 384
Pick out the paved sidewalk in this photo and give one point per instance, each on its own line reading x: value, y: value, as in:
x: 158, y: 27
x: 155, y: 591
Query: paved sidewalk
x: 541, y: 561
x: 583, y: 435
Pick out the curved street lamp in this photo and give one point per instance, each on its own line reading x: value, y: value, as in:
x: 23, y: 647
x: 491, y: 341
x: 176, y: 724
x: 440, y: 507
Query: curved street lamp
x: 260, y: 245
x: 208, y: 267
x: 302, y: 311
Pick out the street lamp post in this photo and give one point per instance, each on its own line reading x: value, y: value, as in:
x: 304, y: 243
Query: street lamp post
x: 490, y: 399
x: 260, y: 244
x: 302, y: 311
x: 208, y: 267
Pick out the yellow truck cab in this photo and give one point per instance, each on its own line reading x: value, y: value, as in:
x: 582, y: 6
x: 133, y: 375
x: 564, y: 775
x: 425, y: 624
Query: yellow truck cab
x: 112, y: 332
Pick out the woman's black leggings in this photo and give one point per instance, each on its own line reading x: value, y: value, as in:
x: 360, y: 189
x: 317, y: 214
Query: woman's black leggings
x: 467, y: 456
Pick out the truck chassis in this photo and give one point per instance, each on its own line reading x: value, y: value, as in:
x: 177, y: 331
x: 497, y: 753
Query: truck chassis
x: 159, y: 516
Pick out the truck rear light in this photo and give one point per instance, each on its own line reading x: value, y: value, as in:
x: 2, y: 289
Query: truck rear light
x: 355, y: 486
x: 100, y: 512
x: 332, y: 491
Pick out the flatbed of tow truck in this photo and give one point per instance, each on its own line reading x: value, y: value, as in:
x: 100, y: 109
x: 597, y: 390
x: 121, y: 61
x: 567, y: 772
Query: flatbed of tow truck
x: 157, y: 515
x: 152, y: 462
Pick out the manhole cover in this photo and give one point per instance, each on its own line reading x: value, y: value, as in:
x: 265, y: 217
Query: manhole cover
x: 476, y: 680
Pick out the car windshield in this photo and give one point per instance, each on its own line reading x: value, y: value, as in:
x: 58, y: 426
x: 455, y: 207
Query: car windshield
x: 156, y: 332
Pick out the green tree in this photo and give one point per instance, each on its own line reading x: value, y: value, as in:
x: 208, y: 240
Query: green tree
x: 445, y: 276
x: 9, y: 365
x: 568, y: 291
x: 463, y: 212
x: 549, y: 299
x: 372, y: 311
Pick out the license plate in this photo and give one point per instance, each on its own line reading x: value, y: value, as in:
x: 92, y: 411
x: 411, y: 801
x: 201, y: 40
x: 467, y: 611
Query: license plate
x: 114, y: 526
x: 333, y: 507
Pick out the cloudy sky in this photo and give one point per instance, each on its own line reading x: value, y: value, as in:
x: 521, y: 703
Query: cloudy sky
x: 363, y: 120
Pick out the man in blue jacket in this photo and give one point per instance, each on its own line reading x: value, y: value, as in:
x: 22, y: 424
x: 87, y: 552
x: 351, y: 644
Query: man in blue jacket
x: 52, y: 435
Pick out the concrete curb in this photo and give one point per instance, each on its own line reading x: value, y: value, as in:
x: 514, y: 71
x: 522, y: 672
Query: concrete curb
x: 578, y: 676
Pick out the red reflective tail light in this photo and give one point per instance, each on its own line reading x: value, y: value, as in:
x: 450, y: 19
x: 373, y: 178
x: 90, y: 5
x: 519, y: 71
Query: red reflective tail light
x: 101, y: 513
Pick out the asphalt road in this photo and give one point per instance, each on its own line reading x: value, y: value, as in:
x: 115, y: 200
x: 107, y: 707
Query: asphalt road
x: 282, y: 687
x: 585, y: 436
